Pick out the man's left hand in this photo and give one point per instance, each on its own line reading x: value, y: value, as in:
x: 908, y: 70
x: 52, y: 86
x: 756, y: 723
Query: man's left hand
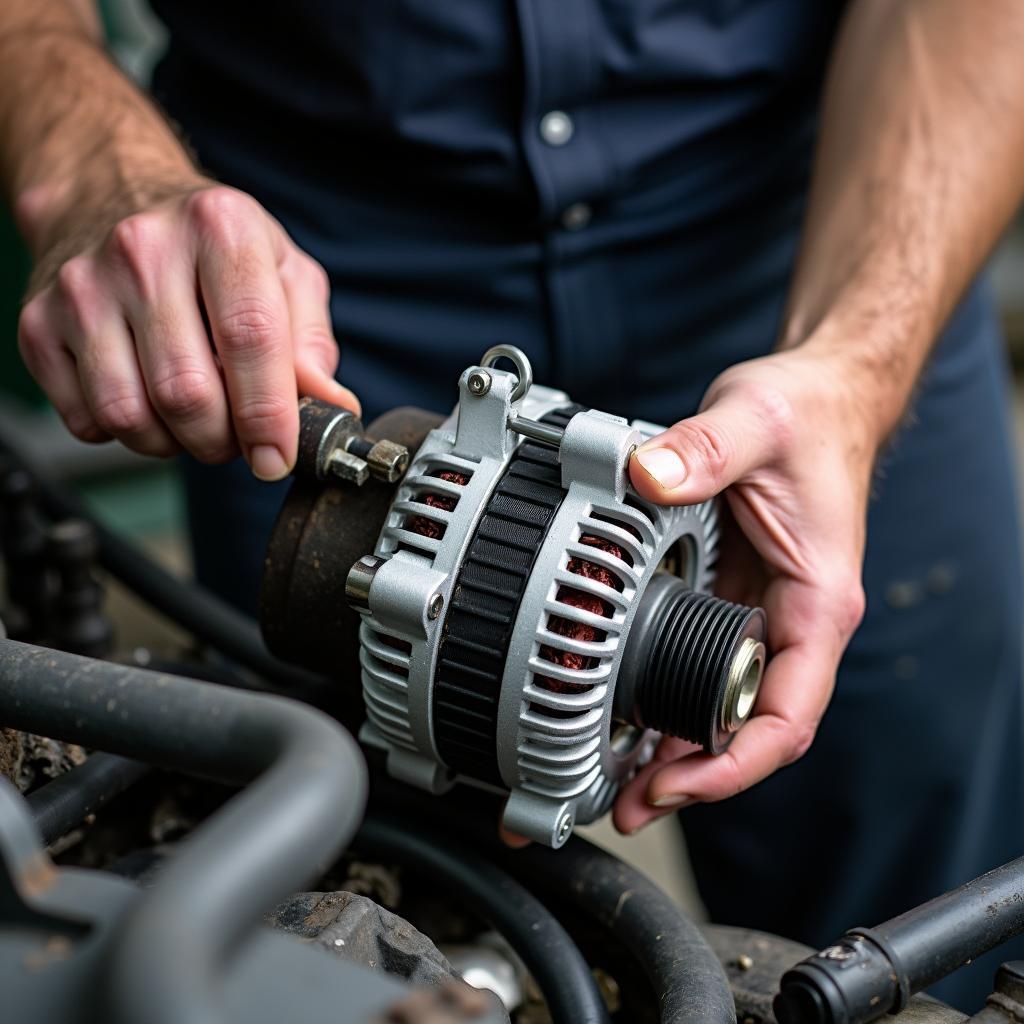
x: 786, y: 440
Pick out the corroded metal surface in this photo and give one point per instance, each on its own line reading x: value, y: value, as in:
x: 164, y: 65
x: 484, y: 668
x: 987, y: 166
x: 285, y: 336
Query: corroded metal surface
x: 319, y: 533
x: 355, y: 928
x: 29, y: 760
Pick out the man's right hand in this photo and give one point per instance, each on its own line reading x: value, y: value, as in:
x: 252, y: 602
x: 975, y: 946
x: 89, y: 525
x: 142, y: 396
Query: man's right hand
x: 191, y: 324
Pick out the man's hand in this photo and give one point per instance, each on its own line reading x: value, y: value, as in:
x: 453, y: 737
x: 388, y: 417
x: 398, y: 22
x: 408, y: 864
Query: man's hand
x: 907, y: 199
x: 787, y: 441
x: 191, y: 324
x: 166, y: 311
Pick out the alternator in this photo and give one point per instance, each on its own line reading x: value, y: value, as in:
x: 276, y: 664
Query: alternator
x: 529, y: 624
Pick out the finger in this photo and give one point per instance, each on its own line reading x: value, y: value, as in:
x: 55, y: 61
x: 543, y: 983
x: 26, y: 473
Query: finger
x: 699, y: 457
x: 307, y: 292
x: 94, y: 330
x: 53, y: 368
x: 249, y: 320
x: 181, y: 377
x: 632, y: 810
x: 115, y: 391
x: 795, y: 693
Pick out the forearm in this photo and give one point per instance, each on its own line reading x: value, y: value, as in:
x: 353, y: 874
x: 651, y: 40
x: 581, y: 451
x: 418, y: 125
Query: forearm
x: 919, y: 169
x: 78, y: 141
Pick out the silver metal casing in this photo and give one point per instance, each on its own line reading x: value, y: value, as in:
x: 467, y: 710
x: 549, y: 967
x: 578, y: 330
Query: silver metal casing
x: 561, y: 755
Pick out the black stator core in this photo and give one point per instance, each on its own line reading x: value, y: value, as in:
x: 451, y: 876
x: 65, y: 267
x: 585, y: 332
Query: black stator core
x: 485, y: 602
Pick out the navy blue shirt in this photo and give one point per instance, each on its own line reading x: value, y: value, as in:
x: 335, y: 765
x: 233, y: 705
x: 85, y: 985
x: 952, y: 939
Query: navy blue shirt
x: 615, y: 186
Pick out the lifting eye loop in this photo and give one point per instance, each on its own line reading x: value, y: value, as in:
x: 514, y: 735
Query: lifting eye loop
x: 524, y: 371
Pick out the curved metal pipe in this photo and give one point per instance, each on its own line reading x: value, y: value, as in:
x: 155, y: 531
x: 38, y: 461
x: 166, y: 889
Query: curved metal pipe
x: 273, y: 838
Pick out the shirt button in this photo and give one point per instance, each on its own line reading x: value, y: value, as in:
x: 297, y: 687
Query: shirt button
x: 577, y: 216
x: 556, y: 128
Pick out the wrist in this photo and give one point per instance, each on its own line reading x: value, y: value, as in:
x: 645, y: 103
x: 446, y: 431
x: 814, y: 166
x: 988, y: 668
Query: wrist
x: 873, y: 361
x: 59, y: 220
x: 86, y: 143
x: 51, y: 209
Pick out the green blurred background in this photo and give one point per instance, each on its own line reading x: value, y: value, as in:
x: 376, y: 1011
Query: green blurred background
x: 140, y: 497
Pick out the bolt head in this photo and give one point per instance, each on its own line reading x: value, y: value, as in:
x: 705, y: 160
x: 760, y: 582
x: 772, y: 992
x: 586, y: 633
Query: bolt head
x: 388, y: 461
x: 360, y: 580
x: 479, y: 383
x: 435, y: 606
x: 564, y: 827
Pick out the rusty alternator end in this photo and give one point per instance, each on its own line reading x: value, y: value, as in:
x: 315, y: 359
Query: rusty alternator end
x: 526, y: 623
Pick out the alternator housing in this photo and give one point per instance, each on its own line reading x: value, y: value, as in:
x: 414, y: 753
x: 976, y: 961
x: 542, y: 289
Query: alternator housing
x: 464, y: 676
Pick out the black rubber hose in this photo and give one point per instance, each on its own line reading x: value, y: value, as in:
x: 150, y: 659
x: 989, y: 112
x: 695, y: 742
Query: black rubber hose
x: 871, y: 972
x: 64, y: 803
x: 195, y: 609
x: 537, y: 937
x: 687, y: 977
x: 277, y: 835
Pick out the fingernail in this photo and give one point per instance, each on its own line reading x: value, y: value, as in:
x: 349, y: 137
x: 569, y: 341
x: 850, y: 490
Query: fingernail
x: 671, y: 800
x: 664, y: 465
x: 267, y: 463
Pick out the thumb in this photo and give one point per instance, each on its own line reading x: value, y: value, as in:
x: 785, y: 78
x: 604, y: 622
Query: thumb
x: 316, y: 351
x: 699, y: 457
x: 314, y: 376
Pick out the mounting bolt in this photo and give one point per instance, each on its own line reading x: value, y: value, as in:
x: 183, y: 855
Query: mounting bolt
x: 388, y: 461
x: 360, y: 579
x: 435, y: 606
x: 564, y: 827
x: 479, y: 383
x: 385, y: 460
